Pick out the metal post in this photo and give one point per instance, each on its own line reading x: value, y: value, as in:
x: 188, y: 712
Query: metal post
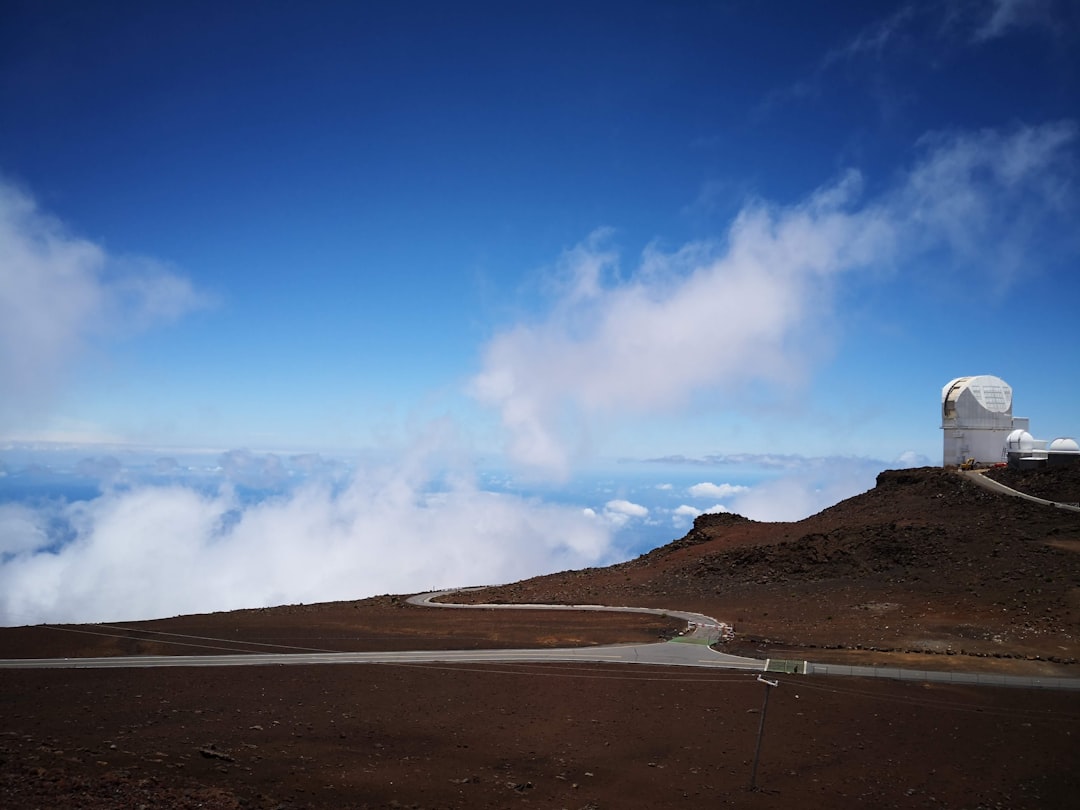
x: 761, y: 728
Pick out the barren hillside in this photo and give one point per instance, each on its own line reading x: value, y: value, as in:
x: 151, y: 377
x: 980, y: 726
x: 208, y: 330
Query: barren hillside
x: 925, y: 563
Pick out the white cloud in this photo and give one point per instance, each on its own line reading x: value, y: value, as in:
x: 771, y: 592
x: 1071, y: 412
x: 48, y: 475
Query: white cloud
x: 60, y: 293
x: 710, y: 490
x: 716, y: 317
x: 909, y: 458
x: 783, y: 499
x: 682, y: 517
x: 163, y: 550
x: 617, y: 513
x: 819, y: 484
x: 627, y: 508
x: 645, y: 345
x: 21, y: 529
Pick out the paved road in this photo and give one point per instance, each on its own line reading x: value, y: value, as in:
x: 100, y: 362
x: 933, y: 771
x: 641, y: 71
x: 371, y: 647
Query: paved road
x: 689, y: 650
x: 700, y: 627
x: 998, y: 487
x: 672, y: 654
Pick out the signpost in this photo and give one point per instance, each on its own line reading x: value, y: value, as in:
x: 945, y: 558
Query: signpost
x: 769, y: 685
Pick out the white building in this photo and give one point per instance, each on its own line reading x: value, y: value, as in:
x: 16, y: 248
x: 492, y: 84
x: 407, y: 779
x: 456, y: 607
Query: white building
x: 1063, y: 451
x: 977, y: 420
x: 976, y: 417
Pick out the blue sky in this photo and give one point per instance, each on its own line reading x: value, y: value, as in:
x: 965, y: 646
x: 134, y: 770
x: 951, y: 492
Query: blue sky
x: 555, y: 235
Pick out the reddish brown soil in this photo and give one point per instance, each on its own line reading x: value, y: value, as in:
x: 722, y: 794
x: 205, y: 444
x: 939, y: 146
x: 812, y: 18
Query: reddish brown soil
x: 923, y: 564
x: 926, y: 564
x: 379, y: 623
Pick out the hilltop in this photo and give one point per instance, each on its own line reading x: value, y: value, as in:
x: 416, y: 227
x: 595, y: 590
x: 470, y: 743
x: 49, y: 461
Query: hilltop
x: 926, y: 563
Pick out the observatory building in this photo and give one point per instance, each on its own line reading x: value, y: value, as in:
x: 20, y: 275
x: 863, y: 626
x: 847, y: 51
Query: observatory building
x: 977, y: 420
x: 976, y: 416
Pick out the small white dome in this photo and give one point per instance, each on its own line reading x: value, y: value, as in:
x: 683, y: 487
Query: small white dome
x: 1064, y: 445
x: 1020, y: 440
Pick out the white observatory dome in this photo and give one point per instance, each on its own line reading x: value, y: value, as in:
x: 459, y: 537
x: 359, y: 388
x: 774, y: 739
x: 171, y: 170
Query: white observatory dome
x: 976, y: 416
x: 1020, y: 441
x: 1064, y: 445
x: 991, y: 393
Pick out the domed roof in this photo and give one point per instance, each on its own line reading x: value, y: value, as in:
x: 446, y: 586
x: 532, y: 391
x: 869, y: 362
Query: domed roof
x: 1020, y: 440
x: 992, y: 393
x: 1064, y: 445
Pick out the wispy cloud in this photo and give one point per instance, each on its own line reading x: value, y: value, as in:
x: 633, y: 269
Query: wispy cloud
x: 919, y: 32
x: 996, y: 18
x: 60, y: 293
x: 877, y: 38
x: 716, y: 317
x: 786, y: 462
x: 989, y: 196
x: 958, y: 22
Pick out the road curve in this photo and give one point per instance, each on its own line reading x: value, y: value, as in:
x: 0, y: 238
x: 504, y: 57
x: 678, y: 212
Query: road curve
x: 702, y: 628
x: 706, y: 630
x: 693, y: 651
x: 689, y: 650
x: 979, y: 478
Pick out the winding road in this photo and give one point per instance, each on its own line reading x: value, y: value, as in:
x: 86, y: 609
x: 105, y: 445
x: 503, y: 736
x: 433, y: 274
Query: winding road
x: 691, y: 649
x: 978, y: 477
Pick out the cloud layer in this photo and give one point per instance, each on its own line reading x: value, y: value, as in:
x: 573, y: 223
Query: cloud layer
x: 163, y: 550
x: 716, y: 317
x: 60, y: 293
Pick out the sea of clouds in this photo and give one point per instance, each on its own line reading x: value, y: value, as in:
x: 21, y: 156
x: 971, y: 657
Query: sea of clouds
x: 154, y: 536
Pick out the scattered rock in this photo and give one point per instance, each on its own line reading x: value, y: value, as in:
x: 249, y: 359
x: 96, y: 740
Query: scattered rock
x: 211, y: 752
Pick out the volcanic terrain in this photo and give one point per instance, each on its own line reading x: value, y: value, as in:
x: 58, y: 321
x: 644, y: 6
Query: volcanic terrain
x: 927, y: 570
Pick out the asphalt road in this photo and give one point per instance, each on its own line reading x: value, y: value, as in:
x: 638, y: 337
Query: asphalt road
x: 689, y: 650
x: 998, y: 487
x: 699, y: 626
x: 672, y: 654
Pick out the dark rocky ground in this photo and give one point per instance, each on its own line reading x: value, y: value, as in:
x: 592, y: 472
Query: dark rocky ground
x: 925, y: 570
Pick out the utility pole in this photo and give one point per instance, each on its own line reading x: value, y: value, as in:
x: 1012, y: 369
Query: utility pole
x: 769, y: 685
